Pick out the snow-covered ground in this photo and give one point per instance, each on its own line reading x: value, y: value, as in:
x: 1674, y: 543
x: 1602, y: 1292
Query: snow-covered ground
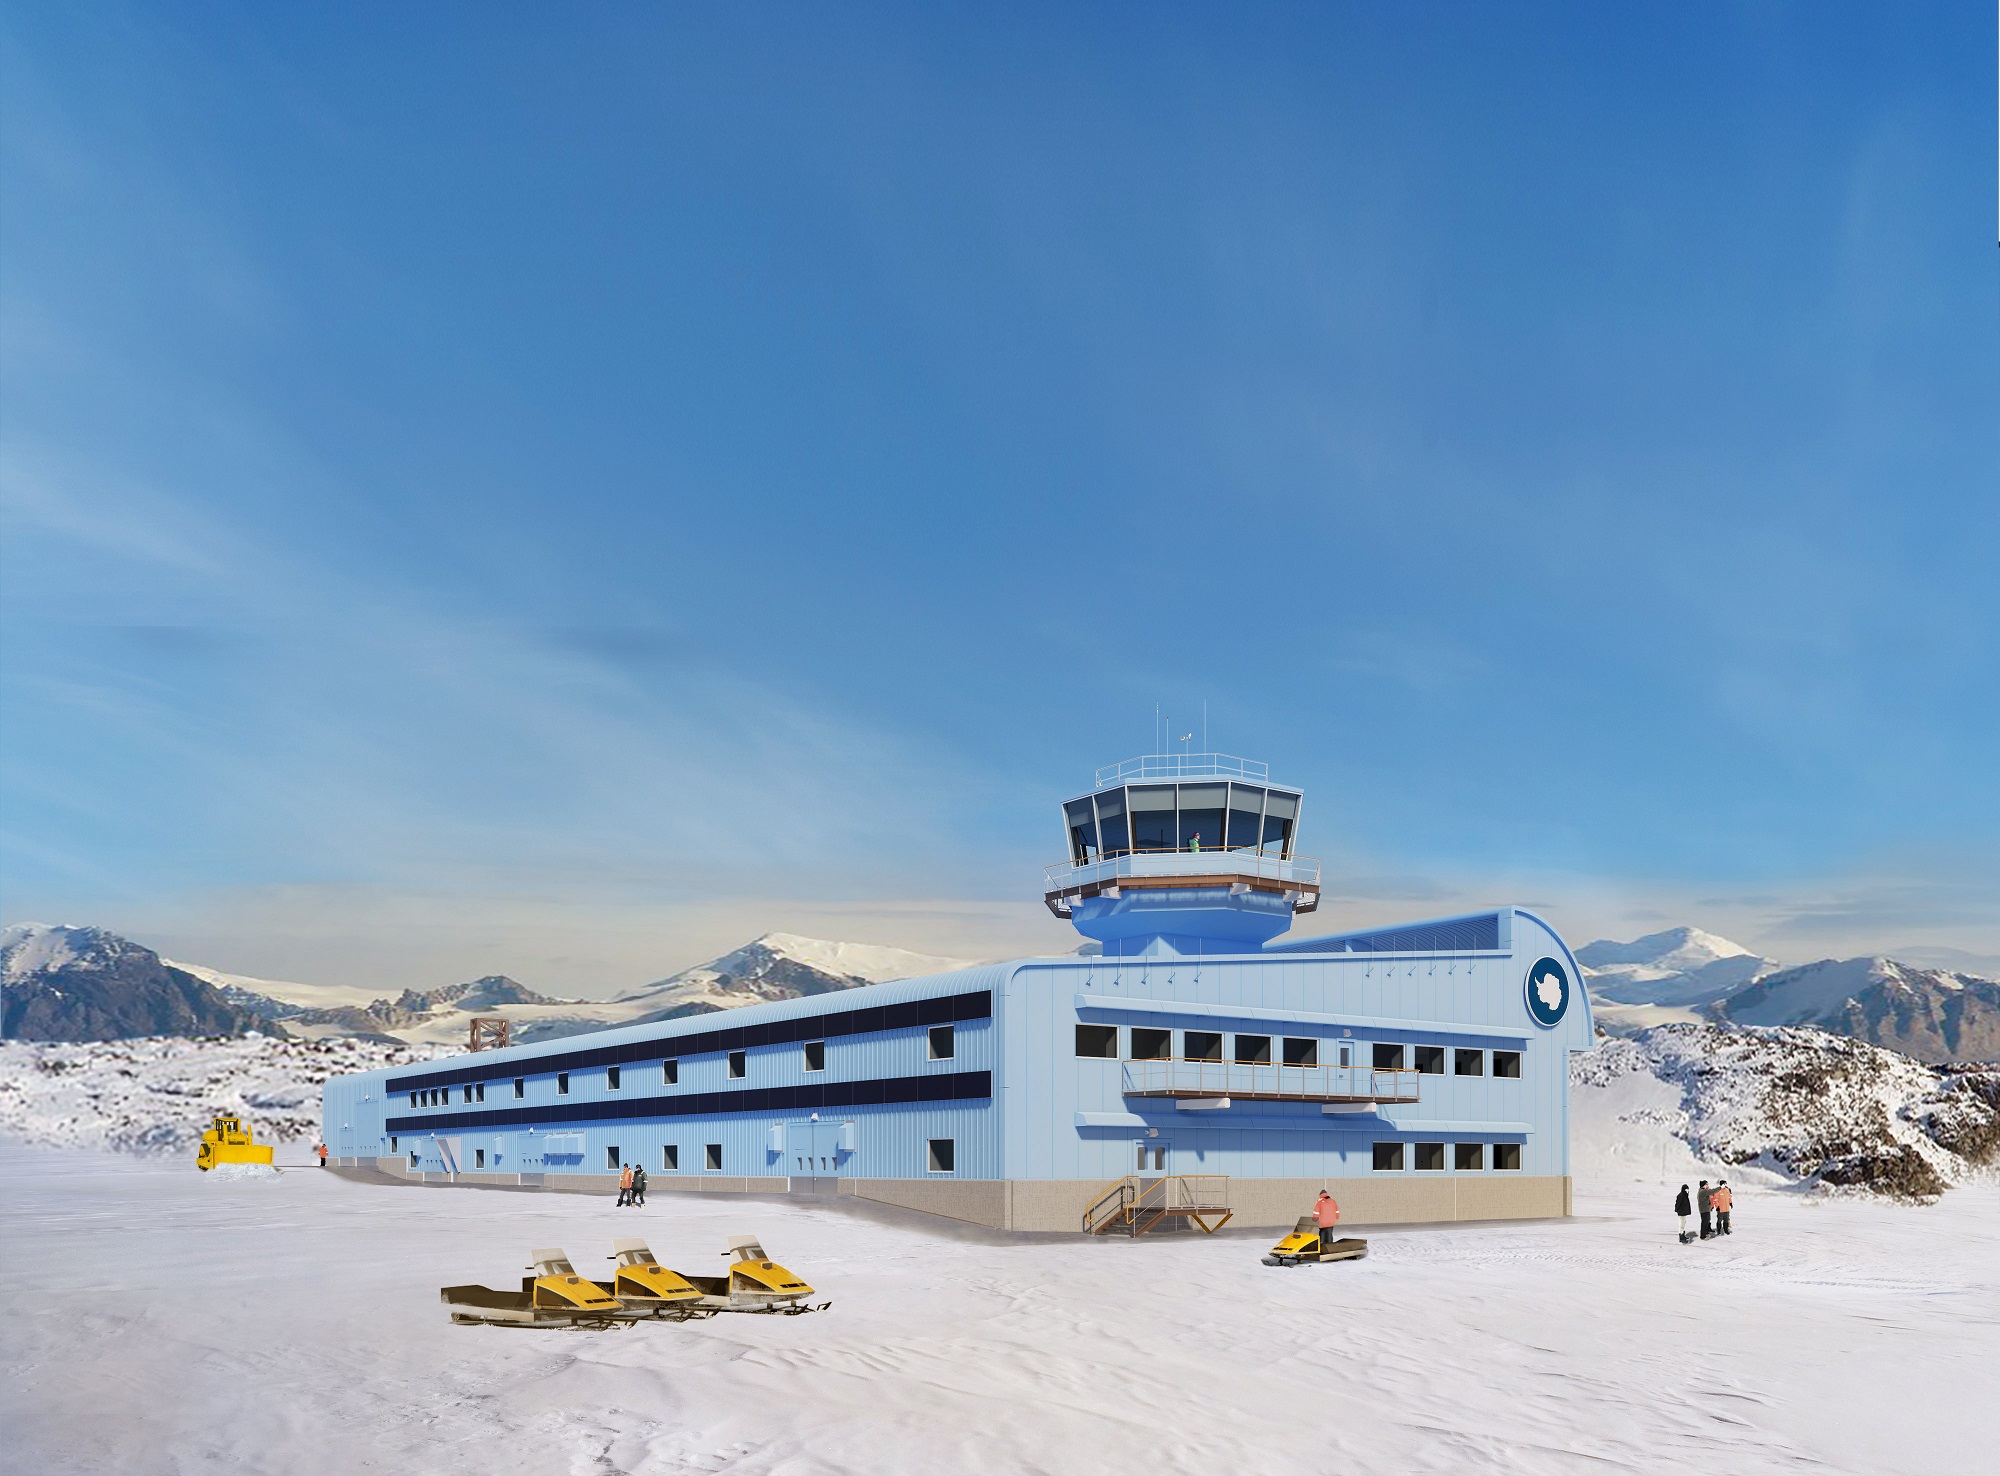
x: 167, y: 1322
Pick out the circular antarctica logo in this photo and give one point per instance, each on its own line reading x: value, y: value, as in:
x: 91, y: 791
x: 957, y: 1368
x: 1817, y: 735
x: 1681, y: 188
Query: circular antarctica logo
x: 1548, y: 991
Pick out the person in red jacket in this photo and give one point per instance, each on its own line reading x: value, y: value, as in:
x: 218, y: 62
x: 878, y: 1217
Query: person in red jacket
x: 321, y: 1150
x: 1326, y: 1213
x: 1722, y: 1199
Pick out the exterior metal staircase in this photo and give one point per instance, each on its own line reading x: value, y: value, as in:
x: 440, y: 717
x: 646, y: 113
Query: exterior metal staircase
x: 1140, y: 1202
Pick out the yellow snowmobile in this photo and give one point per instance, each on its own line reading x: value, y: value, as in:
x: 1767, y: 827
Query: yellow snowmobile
x: 755, y: 1283
x: 643, y: 1286
x: 228, y: 1141
x: 1306, y: 1245
x: 555, y: 1296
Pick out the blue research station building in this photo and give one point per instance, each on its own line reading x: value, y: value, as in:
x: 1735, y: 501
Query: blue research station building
x: 1419, y: 1071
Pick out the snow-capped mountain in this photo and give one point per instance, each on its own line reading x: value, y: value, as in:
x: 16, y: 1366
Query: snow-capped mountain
x: 1680, y: 967
x: 1801, y: 1104
x: 780, y: 966
x: 1931, y: 1014
x: 79, y: 983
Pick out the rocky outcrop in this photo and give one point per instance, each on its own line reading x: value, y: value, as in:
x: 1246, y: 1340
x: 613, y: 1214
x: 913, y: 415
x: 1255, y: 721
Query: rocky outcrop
x: 79, y: 984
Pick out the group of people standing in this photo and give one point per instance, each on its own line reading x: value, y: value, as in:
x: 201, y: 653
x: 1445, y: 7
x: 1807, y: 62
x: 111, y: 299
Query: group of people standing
x: 631, y: 1186
x: 1714, y: 1205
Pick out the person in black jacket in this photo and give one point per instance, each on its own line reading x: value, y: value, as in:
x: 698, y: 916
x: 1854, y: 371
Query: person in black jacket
x: 638, y: 1184
x: 1683, y: 1208
x: 1703, y: 1203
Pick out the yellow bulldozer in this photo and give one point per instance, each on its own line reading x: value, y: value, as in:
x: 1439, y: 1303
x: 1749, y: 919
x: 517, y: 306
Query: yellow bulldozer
x: 228, y: 1141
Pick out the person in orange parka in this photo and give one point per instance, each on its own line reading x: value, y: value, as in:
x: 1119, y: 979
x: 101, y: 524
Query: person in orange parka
x: 1326, y: 1213
x: 1721, y: 1198
x: 625, y: 1187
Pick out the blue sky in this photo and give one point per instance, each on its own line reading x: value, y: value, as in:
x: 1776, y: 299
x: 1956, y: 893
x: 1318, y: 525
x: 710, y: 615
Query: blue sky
x: 562, y: 491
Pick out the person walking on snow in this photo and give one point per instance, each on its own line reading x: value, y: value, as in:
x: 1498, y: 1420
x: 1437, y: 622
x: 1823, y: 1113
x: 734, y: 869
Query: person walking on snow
x: 1722, y: 1200
x: 625, y: 1187
x: 321, y: 1151
x: 1326, y: 1213
x: 1704, y: 1199
x: 1683, y: 1208
x: 638, y: 1185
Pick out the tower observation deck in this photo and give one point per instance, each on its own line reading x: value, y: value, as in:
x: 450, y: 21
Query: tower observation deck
x: 1183, y: 853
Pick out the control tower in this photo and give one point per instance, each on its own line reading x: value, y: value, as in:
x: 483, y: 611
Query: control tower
x: 1183, y: 853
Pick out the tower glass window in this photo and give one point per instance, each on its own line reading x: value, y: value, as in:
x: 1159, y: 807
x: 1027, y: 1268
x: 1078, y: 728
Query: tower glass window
x: 1111, y: 823
x: 1201, y: 810
x: 1082, y: 831
x: 1246, y: 813
x: 1152, y: 817
x: 1281, y: 813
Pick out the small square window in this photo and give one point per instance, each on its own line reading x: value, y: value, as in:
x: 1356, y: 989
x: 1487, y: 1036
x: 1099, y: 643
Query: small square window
x: 670, y: 1072
x: 1388, y: 1157
x: 1097, y: 1041
x: 479, y: 1158
x: 611, y: 1158
x: 1468, y: 1063
x: 562, y: 1083
x: 739, y: 1063
x: 1507, y: 1063
x: 1430, y: 1158
x: 1301, y: 1052
x: 1151, y: 1045
x: 815, y: 1055
x: 1468, y: 1157
x: 1429, y: 1060
x: 1507, y: 1156
x: 712, y: 1156
x: 1253, y: 1050
x: 670, y: 1157
x: 944, y: 1154
x: 1388, y: 1058
x: 611, y: 1078
x: 1201, y: 1045
x: 520, y: 1086
x: 944, y: 1044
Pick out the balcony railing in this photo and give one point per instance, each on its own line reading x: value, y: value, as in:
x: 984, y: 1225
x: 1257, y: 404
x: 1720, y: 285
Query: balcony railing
x: 1254, y: 1082
x: 1183, y: 766
x: 1300, y: 871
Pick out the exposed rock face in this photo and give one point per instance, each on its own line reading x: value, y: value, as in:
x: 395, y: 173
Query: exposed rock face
x: 77, y: 984
x: 1931, y: 1014
x: 1815, y: 1106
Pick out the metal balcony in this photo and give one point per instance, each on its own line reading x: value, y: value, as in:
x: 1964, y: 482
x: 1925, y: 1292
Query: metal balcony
x: 1294, y: 877
x: 1244, y: 1081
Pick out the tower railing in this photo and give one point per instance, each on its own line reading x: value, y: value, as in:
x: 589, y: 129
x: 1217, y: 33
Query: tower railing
x: 1249, y: 864
x: 1183, y: 766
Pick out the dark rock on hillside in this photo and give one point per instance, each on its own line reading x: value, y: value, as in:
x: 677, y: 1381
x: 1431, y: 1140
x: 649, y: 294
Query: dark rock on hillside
x: 78, y: 984
x: 1933, y: 1015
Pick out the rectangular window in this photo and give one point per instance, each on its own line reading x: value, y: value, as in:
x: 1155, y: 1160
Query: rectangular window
x: 611, y: 1158
x: 1429, y: 1059
x: 413, y: 1099
x: 1201, y: 1045
x: 1097, y: 1041
x: 1151, y: 1045
x: 1388, y: 1058
x: 1346, y: 1054
x: 670, y: 1072
x: 944, y: 1043
x: 1466, y: 1157
x: 1468, y: 1063
x: 479, y: 1158
x: 392, y: 1145
x: 413, y: 1158
x: 944, y: 1154
x: 562, y: 1083
x: 712, y: 1156
x: 520, y: 1086
x: 1430, y: 1158
x: 611, y: 1078
x: 1253, y: 1050
x: 1388, y: 1158
x: 815, y: 1055
x: 1152, y: 816
x: 1507, y: 1156
x: 739, y: 1063
x: 1301, y: 1052
x: 670, y: 1157
x: 465, y: 1095
x: 1507, y: 1063
x: 479, y: 1091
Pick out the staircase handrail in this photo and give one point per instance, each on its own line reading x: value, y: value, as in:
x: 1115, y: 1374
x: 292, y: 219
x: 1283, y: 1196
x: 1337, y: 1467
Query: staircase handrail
x: 1118, y: 1188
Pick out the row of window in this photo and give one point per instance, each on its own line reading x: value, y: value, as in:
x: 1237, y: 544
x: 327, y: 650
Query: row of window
x: 1100, y: 1042
x: 1465, y: 1157
x: 942, y: 1042
x: 941, y: 1156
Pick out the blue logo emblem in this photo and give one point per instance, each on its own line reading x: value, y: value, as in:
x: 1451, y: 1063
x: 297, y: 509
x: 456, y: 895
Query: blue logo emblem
x: 1548, y: 991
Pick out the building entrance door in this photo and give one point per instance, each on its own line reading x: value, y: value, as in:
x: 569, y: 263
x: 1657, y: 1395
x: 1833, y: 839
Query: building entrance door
x: 812, y: 1157
x: 1153, y: 1156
